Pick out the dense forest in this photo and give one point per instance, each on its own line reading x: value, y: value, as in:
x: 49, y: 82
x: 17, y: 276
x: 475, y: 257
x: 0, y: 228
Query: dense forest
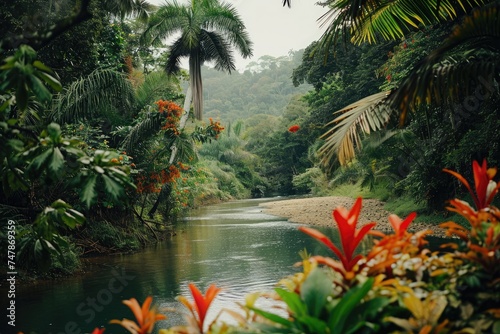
x: 100, y: 152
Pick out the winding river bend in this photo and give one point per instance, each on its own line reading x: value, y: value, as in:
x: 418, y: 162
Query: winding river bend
x: 234, y: 245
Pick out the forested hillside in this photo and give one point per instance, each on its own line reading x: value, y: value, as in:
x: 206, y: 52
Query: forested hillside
x: 265, y: 87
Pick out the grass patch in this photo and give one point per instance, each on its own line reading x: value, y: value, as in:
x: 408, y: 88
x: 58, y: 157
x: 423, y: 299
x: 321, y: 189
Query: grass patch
x: 348, y: 190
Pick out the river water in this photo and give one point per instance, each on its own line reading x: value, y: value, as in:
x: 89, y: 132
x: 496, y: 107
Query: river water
x: 234, y: 245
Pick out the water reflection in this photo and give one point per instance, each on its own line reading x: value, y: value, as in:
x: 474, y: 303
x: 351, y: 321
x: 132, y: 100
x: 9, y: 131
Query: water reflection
x: 234, y: 245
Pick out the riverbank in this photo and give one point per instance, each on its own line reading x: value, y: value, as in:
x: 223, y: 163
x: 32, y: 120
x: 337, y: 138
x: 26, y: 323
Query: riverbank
x: 318, y: 211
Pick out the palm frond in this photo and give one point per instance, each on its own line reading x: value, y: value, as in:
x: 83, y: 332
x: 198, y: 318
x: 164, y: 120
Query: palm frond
x: 342, y: 140
x: 392, y: 19
x: 177, y: 51
x: 151, y: 124
x: 216, y: 49
x: 102, y: 90
x: 368, y: 21
x: 169, y: 19
x: 468, y: 59
x: 224, y: 19
x: 139, y: 9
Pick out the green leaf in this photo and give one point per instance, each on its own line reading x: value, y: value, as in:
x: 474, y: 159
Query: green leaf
x: 54, y: 131
x: 41, y: 66
x: 88, y: 193
x: 40, y: 160
x: 50, y: 80
x: 273, y: 317
x: 315, y: 291
x: 314, y: 324
x: 112, y: 187
x: 41, y: 92
x: 349, y: 301
x: 57, y: 160
x: 293, y: 301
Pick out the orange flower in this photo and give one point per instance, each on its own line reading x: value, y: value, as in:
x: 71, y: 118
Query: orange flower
x: 400, y: 226
x: 201, y: 303
x: 145, y: 317
x: 294, y: 128
x: 350, y: 237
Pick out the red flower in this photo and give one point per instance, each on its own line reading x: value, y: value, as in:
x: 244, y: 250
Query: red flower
x: 485, y: 187
x: 350, y: 237
x: 294, y: 128
x: 98, y: 331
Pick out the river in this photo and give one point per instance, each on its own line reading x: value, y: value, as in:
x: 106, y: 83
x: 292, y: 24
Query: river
x: 234, y: 245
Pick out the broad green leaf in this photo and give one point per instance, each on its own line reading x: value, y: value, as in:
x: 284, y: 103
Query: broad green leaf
x: 88, y: 193
x: 41, y: 66
x: 57, y: 204
x: 99, y: 169
x: 293, y: 301
x: 315, y: 291
x: 77, y: 216
x: 40, y: 159
x: 57, y: 161
x: 349, y: 301
x: 314, y: 324
x: 112, y: 187
x: 54, y: 131
x: 39, y: 89
x: 273, y: 317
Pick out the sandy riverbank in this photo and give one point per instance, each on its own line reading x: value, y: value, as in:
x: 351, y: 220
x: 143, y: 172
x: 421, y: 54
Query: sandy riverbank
x: 318, y: 211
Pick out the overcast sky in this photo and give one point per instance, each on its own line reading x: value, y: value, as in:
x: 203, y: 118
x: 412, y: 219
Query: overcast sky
x: 274, y: 29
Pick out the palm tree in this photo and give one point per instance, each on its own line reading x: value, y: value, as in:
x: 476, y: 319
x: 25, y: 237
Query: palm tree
x: 208, y: 29
x: 448, y: 72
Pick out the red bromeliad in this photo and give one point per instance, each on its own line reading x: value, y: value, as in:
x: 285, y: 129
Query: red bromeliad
x: 350, y: 236
x: 485, y: 187
x: 201, y: 303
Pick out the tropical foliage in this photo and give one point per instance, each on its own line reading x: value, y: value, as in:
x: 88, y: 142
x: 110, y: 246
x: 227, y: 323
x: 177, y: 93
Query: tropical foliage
x: 453, y: 69
x: 83, y: 160
x: 398, y: 286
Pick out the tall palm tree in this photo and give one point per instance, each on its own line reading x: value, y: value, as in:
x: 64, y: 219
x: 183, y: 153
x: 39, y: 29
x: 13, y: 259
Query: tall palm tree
x: 472, y: 51
x: 207, y: 30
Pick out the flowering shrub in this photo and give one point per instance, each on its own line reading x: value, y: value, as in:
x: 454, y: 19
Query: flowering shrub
x: 399, y: 286
x: 172, y: 113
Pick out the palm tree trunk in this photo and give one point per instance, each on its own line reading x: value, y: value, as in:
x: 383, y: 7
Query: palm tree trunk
x: 166, y: 189
x: 182, y: 122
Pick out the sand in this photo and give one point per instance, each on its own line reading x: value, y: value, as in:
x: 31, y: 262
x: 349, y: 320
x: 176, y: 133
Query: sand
x: 318, y: 211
